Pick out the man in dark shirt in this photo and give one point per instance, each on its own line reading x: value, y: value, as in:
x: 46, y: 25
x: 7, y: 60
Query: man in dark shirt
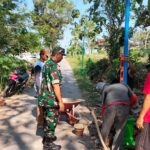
x: 116, y: 102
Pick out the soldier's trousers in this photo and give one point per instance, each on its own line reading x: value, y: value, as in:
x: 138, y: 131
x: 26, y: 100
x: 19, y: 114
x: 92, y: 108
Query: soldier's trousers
x: 51, y: 118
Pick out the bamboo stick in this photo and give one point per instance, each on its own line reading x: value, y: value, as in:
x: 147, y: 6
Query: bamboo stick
x: 98, y: 130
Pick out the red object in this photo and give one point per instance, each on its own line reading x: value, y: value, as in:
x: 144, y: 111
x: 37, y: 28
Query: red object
x: 146, y: 90
x: 70, y: 104
x: 147, y: 117
x: 13, y: 76
x: 112, y: 103
x: 102, y: 110
x: 122, y: 58
x: 133, y: 99
x: 72, y: 118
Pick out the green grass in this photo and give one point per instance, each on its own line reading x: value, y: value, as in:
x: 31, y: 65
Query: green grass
x: 87, y: 88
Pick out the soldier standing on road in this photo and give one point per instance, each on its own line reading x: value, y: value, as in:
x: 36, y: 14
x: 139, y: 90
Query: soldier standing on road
x: 51, y: 98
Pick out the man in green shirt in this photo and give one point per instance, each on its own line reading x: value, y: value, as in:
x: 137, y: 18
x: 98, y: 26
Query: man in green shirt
x: 51, y: 97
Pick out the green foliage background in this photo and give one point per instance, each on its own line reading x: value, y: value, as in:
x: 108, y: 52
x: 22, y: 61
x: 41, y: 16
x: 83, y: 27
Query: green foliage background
x: 7, y: 64
x: 97, y: 68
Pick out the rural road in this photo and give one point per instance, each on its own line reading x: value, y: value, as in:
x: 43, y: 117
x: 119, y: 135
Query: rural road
x: 18, y: 127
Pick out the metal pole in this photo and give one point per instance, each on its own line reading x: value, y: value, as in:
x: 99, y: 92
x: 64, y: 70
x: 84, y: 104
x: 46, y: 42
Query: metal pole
x: 126, y: 37
x: 83, y: 47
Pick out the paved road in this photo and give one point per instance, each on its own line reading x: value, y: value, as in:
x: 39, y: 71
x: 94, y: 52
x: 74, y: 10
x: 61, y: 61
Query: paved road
x: 18, y: 129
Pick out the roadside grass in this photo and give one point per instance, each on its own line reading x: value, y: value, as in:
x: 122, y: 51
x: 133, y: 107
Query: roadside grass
x: 87, y: 88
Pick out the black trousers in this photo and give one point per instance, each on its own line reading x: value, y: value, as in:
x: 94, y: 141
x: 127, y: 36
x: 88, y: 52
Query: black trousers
x: 115, y: 116
x: 143, y: 138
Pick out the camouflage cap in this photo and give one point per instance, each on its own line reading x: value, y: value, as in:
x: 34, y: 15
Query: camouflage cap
x: 59, y: 50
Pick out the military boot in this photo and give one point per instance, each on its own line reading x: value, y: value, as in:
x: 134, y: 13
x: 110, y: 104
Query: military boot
x: 49, y: 145
x: 54, y: 138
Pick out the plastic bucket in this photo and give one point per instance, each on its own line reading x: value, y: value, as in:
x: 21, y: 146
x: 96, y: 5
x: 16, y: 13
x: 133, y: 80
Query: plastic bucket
x: 79, y: 129
x: 129, y: 139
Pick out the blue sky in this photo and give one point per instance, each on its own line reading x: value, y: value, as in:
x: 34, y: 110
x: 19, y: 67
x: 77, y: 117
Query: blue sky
x: 82, y: 7
x: 29, y: 4
x: 78, y: 5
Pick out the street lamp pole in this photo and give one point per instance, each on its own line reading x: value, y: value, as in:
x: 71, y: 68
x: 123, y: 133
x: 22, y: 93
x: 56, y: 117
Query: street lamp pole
x: 83, y: 48
x: 126, y: 37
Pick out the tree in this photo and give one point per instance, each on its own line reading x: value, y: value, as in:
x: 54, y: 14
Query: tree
x: 91, y: 30
x: 50, y: 18
x: 110, y: 15
x: 75, y: 46
x: 78, y: 34
x: 15, y: 36
x: 6, y: 20
x: 143, y: 38
x: 143, y: 18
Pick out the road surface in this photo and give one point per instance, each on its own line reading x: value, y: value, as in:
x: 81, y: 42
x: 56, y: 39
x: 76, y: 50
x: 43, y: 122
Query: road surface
x: 18, y: 127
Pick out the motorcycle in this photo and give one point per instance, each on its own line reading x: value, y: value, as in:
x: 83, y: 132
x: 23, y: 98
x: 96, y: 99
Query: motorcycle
x: 16, y: 82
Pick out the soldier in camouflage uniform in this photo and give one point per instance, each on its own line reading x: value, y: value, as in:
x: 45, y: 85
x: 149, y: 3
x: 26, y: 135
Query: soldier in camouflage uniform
x: 51, y: 99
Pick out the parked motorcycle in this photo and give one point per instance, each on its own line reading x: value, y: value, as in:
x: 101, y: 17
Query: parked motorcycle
x: 16, y: 82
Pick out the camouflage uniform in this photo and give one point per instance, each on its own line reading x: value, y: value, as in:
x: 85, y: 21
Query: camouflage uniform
x: 51, y: 75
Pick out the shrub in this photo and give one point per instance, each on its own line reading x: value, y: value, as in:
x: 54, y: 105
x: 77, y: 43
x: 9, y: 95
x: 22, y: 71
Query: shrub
x: 7, y: 64
x: 96, y: 70
x: 112, y: 70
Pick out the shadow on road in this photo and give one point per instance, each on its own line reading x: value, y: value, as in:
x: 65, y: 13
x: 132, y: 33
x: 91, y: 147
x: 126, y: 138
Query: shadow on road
x: 13, y: 125
x: 18, y: 123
